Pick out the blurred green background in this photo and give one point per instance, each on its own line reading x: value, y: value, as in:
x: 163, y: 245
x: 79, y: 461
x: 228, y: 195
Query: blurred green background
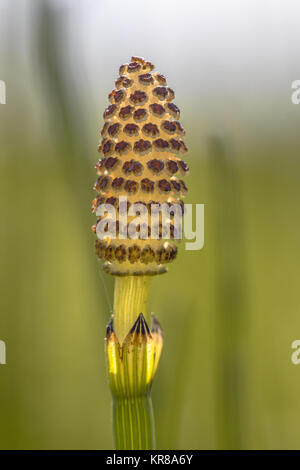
x: 230, y: 311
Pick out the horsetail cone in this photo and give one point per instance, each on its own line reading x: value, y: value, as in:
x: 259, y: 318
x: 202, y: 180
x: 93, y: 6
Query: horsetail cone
x: 139, y: 173
x: 141, y: 149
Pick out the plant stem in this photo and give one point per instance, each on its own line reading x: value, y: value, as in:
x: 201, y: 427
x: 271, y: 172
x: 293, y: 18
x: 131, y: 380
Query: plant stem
x: 133, y: 423
x: 130, y: 299
x: 132, y: 355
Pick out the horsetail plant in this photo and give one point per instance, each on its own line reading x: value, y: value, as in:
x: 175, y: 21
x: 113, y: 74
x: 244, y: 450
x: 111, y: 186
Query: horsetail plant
x: 138, y: 176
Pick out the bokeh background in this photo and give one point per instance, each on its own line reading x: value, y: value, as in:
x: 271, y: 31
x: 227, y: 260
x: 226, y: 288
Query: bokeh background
x: 230, y: 311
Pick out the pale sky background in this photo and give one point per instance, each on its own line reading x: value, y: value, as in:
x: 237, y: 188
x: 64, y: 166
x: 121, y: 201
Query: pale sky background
x: 224, y: 58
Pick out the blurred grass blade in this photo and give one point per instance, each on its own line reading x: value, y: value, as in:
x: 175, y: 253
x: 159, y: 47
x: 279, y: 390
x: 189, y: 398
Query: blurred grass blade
x: 230, y: 304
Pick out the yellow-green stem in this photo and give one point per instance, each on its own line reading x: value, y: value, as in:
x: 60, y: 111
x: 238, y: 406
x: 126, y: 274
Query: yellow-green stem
x: 133, y: 423
x: 130, y: 299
